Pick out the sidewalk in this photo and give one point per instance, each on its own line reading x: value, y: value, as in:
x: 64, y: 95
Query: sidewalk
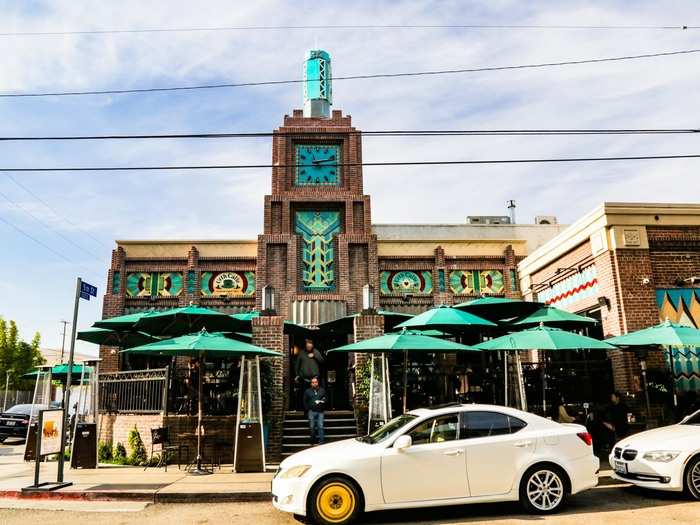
x: 112, y: 482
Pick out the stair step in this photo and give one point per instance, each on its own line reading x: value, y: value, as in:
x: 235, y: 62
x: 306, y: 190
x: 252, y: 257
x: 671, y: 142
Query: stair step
x: 305, y: 421
x: 296, y: 439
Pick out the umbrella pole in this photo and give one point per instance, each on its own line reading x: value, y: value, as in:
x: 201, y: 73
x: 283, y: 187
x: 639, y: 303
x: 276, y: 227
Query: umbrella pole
x: 198, y: 467
x: 544, y: 387
x: 673, y: 377
x: 405, y: 380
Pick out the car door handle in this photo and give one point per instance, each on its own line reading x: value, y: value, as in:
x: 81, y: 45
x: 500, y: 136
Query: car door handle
x: 453, y: 453
x: 523, y: 444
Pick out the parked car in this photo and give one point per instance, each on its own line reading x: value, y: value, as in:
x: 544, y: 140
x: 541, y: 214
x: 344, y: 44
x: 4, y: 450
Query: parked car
x: 666, y: 458
x: 454, y: 454
x: 14, y: 422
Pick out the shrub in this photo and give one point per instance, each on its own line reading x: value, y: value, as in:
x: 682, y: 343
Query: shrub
x: 104, y: 452
x: 119, y: 455
x: 138, y: 454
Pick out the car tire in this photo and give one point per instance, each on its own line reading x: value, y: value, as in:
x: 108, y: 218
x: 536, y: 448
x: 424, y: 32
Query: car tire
x: 334, y: 501
x: 544, y: 489
x: 691, y: 478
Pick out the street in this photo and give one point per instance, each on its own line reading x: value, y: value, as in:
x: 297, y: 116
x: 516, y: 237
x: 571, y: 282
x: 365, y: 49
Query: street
x: 610, y: 505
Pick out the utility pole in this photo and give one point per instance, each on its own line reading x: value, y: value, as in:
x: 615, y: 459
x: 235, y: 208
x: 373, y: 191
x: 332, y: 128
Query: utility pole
x: 63, y: 343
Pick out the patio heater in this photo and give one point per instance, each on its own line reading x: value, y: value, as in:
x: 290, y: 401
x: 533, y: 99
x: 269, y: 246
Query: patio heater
x: 379, y: 397
x: 249, y: 451
x: 84, y: 431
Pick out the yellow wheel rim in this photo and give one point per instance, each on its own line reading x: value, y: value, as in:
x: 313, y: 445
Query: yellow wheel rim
x: 335, y: 502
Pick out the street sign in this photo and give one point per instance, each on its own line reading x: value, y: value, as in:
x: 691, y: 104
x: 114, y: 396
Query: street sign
x: 85, y: 295
x: 87, y: 289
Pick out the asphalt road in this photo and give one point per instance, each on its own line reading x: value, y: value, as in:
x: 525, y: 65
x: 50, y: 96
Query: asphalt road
x: 608, y: 505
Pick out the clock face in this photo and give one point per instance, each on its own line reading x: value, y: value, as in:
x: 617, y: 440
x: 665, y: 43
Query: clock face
x: 317, y: 165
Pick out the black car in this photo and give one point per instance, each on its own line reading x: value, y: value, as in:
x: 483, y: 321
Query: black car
x: 15, y: 421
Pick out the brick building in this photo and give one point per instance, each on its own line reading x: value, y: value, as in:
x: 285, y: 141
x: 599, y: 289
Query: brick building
x: 630, y: 265
x: 318, y: 250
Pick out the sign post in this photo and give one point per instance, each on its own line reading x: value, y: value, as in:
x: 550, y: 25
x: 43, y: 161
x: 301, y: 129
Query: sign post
x: 83, y: 290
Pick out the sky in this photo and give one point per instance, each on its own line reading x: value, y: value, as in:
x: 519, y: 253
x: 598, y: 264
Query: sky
x: 69, y: 221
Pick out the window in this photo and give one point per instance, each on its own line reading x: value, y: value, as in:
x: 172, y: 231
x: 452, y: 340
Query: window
x: 436, y: 430
x: 486, y: 424
x: 692, y: 420
x: 387, y: 430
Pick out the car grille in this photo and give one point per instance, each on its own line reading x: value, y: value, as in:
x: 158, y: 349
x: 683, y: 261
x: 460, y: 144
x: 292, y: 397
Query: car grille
x: 629, y: 454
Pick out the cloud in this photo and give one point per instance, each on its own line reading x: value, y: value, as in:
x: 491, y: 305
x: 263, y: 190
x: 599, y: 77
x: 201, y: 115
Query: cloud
x: 228, y: 204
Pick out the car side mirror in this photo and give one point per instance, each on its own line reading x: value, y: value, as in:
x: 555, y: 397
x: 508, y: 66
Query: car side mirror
x: 403, y: 442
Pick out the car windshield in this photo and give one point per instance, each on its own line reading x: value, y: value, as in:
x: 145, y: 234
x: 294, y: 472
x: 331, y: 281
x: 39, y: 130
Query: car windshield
x: 692, y: 420
x: 19, y: 409
x: 387, y: 430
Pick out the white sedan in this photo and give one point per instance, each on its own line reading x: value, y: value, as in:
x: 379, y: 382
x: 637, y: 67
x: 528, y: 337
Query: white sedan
x: 666, y: 458
x: 450, y: 455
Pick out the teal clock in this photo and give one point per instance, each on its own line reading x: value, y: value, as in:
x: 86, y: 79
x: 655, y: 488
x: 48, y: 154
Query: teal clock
x: 317, y: 165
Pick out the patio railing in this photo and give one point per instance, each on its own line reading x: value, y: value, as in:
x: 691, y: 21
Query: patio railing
x: 134, y: 391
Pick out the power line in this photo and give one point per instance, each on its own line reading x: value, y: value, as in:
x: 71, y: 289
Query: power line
x: 349, y: 27
x: 349, y: 164
x: 353, y: 77
x: 47, y: 226
x: 375, y: 133
x: 20, y: 230
x: 53, y: 210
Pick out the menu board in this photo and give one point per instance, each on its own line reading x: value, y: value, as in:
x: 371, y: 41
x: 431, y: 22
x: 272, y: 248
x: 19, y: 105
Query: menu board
x: 51, y: 425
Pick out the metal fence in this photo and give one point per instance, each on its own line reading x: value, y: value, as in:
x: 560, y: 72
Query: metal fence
x: 134, y: 392
x: 10, y: 398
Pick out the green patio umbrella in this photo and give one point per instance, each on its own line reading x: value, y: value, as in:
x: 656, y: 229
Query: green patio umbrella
x: 121, y: 322
x: 551, y: 316
x: 201, y: 345
x: 404, y: 341
x: 346, y: 324
x: 445, y: 318
x: 666, y: 334
x: 543, y: 338
x: 187, y: 320
x: 498, y: 308
x: 105, y: 336
x: 60, y: 372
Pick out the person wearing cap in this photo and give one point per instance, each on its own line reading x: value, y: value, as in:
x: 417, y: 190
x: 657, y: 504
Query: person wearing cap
x: 308, y: 365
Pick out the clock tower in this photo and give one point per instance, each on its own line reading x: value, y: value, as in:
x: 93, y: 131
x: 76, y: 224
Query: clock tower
x: 317, y: 250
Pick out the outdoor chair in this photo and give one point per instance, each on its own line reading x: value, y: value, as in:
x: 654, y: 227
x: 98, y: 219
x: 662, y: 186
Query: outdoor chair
x: 161, y: 436
x: 222, y: 448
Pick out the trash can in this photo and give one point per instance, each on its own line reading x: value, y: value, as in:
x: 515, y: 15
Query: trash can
x: 84, y: 446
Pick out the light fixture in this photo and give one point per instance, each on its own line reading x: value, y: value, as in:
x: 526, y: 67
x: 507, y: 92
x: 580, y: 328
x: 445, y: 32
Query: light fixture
x: 368, y: 298
x: 268, y: 300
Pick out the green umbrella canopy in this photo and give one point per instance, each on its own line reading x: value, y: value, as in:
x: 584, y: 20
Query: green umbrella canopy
x: 544, y: 338
x: 404, y: 341
x: 444, y: 318
x: 246, y: 318
x: 551, y: 316
x: 60, y: 372
x: 187, y: 320
x: 431, y: 333
x: 666, y: 334
x: 104, y: 336
x: 497, y: 308
x: 194, y: 345
x: 121, y: 322
x: 346, y: 324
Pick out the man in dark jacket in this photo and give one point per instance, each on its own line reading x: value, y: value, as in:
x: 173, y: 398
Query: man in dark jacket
x: 307, y: 366
x: 315, y: 404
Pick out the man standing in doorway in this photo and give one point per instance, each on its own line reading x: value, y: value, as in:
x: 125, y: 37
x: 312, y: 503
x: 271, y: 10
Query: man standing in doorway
x: 315, y: 404
x: 307, y: 366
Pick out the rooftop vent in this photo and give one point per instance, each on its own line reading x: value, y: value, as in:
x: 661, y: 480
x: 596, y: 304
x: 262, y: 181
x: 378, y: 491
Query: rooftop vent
x: 546, y: 219
x: 488, y: 219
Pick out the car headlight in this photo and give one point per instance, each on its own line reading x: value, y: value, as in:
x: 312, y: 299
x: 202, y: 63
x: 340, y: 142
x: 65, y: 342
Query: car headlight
x: 294, y: 472
x: 664, y: 456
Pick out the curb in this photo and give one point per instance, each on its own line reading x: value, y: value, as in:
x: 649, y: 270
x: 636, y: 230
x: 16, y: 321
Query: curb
x: 152, y: 497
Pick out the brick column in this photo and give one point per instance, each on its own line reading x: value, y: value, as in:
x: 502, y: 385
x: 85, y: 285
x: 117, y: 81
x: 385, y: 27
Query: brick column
x: 113, y: 305
x: 366, y: 326
x: 268, y: 332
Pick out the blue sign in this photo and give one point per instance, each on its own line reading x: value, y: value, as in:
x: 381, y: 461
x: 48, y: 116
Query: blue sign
x: 87, y: 289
